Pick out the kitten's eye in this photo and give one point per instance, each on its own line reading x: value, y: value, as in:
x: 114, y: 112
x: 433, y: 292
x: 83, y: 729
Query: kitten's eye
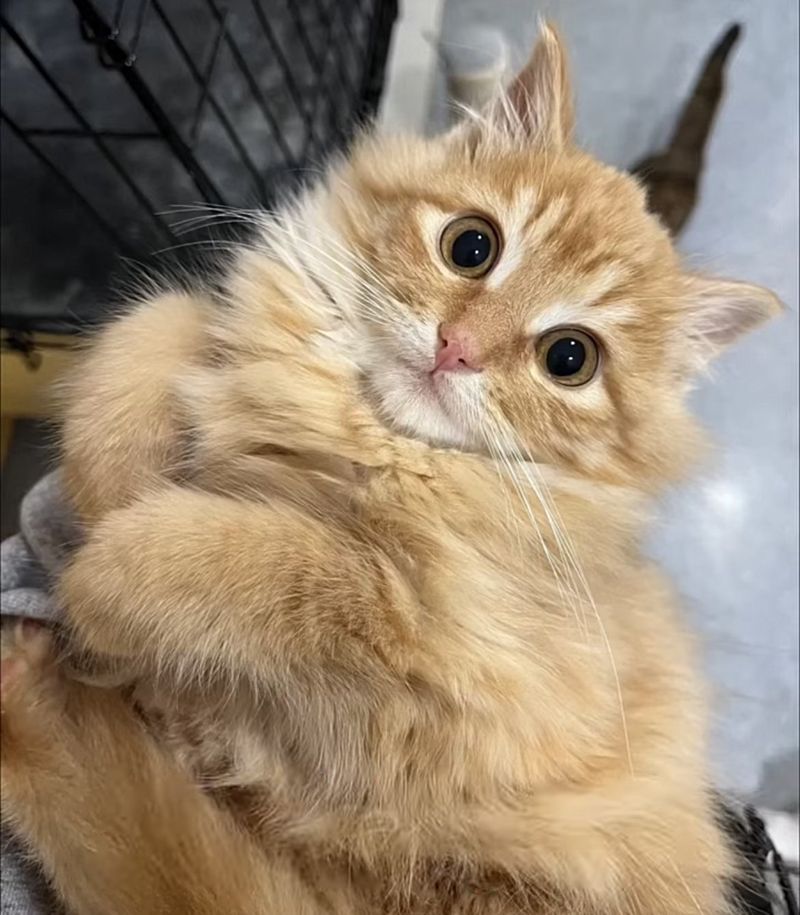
x: 469, y: 246
x: 568, y: 356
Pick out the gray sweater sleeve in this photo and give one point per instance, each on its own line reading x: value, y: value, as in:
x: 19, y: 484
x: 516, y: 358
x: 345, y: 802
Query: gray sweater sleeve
x: 29, y: 561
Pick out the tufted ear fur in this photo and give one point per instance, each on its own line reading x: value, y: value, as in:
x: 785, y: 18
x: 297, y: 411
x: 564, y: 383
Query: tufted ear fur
x: 538, y: 102
x: 720, y: 311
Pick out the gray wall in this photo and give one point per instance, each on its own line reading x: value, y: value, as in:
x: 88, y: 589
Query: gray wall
x: 731, y: 538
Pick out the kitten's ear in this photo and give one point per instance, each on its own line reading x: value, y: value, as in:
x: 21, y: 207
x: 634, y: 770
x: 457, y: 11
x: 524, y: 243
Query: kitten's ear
x: 720, y: 311
x: 538, y: 102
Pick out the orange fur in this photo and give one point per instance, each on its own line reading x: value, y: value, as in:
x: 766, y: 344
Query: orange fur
x: 408, y: 640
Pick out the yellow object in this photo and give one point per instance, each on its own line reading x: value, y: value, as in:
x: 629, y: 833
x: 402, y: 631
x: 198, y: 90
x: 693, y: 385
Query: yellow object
x: 26, y: 387
x: 25, y: 391
x: 6, y: 431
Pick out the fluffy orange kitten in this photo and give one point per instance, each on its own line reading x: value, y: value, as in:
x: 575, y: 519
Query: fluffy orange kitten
x: 362, y: 539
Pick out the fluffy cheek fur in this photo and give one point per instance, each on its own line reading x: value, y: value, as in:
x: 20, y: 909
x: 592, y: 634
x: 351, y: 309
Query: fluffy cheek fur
x: 578, y: 249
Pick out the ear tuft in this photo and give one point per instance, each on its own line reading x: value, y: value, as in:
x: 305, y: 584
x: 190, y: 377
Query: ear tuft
x: 720, y: 311
x: 537, y: 106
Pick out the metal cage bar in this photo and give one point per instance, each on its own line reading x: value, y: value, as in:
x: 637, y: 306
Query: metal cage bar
x: 271, y: 86
x: 85, y: 126
x: 121, y: 59
x: 212, y: 100
x: 48, y: 163
x: 274, y: 45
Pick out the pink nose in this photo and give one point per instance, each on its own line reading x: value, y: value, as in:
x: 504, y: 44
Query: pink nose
x: 457, y: 351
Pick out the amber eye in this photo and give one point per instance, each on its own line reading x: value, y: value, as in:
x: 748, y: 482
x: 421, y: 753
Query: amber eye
x: 568, y: 356
x: 469, y: 245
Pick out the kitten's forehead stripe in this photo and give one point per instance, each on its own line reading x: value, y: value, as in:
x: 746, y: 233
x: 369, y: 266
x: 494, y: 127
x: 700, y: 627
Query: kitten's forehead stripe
x: 541, y: 225
x: 602, y: 280
x: 477, y: 200
x: 581, y: 314
x: 514, y: 220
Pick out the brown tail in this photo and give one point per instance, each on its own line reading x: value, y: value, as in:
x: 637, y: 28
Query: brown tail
x: 694, y: 126
x: 672, y: 176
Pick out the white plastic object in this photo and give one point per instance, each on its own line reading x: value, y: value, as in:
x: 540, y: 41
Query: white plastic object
x: 476, y: 61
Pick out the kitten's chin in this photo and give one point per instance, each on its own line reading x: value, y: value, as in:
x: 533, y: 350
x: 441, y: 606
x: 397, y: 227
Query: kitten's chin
x: 415, y: 404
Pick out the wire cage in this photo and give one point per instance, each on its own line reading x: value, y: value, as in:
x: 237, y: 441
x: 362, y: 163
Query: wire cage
x: 115, y: 111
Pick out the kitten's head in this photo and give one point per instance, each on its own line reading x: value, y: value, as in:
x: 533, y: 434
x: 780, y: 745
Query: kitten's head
x: 516, y: 294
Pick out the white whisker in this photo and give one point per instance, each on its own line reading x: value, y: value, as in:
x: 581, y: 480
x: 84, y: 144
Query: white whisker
x: 576, y: 573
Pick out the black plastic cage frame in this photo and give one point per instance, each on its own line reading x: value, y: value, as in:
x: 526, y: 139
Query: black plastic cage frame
x: 325, y: 61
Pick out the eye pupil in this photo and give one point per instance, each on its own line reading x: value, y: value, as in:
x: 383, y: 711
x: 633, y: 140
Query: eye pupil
x: 469, y: 246
x: 566, y: 357
x: 471, y: 249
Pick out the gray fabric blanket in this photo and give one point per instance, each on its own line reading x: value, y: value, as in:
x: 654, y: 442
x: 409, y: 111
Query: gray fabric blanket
x: 28, y: 563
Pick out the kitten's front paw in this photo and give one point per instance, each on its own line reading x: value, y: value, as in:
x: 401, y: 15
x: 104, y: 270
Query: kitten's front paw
x: 27, y: 665
x: 100, y: 589
x: 31, y: 704
x: 52, y: 728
